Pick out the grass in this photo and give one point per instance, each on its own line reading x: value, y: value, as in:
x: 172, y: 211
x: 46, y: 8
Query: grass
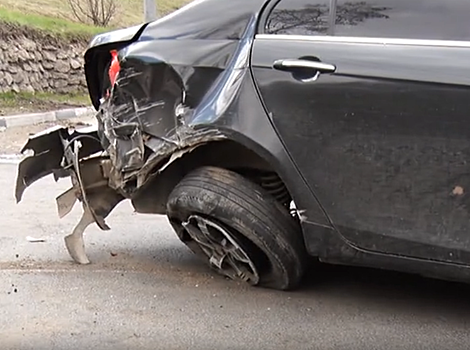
x: 13, y: 99
x: 19, y: 103
x: 55, y: 16
x: 51, y: 25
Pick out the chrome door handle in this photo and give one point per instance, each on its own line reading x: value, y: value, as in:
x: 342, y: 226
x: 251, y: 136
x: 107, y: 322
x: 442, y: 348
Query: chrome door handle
x: 293, y: 64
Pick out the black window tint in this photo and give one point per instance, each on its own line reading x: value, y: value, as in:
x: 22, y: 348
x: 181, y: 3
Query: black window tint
x: 410, y: 19
x: 299, y: 17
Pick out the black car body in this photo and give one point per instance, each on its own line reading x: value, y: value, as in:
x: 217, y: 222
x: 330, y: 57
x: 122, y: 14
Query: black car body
x: 353, y: 113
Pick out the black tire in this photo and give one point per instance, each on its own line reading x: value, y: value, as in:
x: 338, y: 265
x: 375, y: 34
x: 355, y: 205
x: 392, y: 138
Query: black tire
x: 254, y: 218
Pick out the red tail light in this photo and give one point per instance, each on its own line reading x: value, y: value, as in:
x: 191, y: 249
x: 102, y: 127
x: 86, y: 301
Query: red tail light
x: 114, y: 68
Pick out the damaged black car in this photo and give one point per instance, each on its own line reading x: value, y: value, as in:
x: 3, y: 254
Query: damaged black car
x: 270, y: 132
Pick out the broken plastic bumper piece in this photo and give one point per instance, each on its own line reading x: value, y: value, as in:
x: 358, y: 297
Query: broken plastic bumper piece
x: 80, y: 156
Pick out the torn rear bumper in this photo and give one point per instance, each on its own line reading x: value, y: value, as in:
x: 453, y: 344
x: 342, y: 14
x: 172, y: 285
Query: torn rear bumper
x: 78, y: 155
x: 48, y: 155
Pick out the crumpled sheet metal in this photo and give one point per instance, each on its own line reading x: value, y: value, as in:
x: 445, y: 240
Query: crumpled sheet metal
x: 143, y: 124
x: 185, y: 140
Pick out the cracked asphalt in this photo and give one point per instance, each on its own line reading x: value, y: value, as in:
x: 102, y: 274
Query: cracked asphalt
x: 146, y: 290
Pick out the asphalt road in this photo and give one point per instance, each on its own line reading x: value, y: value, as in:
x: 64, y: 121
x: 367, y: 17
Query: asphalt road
x: 145, y: 290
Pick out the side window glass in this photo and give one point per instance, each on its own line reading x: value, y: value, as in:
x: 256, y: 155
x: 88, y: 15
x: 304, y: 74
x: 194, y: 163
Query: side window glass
x: 299, y: 17
x: 404, y: 19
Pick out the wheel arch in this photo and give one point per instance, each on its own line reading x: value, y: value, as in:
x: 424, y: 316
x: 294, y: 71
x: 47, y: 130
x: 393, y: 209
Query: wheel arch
x: 243, y: 157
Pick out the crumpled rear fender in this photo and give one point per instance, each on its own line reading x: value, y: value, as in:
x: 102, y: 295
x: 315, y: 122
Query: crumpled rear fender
x: 149, y: 115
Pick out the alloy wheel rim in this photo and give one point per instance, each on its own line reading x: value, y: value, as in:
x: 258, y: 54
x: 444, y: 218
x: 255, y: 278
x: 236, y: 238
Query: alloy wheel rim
x: 225, y: 253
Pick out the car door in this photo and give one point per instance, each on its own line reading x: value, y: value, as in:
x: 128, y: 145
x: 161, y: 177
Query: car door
x: 371, y: 98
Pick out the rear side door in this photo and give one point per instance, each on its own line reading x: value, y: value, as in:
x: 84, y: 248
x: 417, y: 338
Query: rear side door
x: 371, y: 98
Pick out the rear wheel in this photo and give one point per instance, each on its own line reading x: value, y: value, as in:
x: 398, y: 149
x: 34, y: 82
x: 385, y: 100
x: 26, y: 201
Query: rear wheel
x: 238, y: 228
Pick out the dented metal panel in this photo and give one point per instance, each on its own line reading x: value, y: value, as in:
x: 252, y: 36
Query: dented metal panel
x: 155, y: 105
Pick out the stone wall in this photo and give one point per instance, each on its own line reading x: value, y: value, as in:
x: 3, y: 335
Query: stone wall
x: 33, y: 61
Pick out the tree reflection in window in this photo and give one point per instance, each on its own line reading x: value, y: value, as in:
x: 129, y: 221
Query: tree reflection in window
x: 353, y: 13
x: 313, y: 19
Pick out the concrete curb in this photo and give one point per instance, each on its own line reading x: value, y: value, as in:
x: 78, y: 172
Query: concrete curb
x: 44, y: 117
x: 11, y: 158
